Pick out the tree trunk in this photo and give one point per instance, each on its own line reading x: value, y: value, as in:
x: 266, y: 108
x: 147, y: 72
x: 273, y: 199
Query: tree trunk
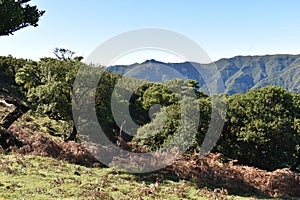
x: 295, y: 166
x: 73, y: 135
x: 7, y: 140
x: 19, y: 110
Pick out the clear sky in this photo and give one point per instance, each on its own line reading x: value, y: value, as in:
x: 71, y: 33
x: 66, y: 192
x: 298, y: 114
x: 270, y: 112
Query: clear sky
x: 223, y: 28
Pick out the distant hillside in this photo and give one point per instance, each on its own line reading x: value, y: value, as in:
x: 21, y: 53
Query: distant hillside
x: 240, y: 73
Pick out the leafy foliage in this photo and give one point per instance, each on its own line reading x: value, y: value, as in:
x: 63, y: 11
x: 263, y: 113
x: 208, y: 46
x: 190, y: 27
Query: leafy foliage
x: 260, y: 128
x: 177, y: 101
x: 8, y: 68
x: 48, y: 86
x: 63, y: 54
x: 17, y: 14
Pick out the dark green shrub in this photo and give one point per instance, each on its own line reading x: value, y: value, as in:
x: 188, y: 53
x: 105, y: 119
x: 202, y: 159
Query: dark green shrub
x: 260, y: 129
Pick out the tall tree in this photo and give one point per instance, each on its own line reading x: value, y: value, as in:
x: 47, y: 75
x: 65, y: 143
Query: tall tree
x: 17, y: 14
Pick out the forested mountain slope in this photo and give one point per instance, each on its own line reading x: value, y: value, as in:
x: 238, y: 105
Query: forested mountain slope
x: 239, y: 74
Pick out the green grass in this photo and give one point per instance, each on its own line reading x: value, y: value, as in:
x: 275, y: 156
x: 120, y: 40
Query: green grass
x: 45, y: 125
x: 29, y: 177
x: 33, y: 123
x: 45, y: 178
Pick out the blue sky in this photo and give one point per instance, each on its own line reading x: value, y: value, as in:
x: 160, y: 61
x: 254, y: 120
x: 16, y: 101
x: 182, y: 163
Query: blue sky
x: 222, y: 28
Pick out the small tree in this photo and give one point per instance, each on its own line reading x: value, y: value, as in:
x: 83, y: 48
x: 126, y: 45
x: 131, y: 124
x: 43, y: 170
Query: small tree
x: 64, y: 54
x: 48, y: 86
x: 17, y: 14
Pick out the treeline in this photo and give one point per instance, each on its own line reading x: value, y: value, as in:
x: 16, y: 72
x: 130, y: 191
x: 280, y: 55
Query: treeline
x: 262, y: 127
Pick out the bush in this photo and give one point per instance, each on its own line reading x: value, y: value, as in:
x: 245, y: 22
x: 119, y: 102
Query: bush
x: 261, y: 128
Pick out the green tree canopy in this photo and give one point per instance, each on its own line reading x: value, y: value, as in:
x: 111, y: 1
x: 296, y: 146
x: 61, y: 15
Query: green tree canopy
x: 167, y: 121
x: 48, y: 86
x: 261, y: 128
x: 17, y: 14
x: 8, y: 68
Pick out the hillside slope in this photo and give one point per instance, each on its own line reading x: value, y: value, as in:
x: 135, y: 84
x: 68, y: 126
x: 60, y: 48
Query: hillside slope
x: 239, y: 74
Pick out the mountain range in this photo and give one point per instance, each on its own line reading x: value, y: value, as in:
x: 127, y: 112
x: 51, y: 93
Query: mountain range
x: 238, y: 74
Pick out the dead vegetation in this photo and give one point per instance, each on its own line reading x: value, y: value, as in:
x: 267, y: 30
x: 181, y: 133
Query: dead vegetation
x: 214, y: 170
x: 40, y: 145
